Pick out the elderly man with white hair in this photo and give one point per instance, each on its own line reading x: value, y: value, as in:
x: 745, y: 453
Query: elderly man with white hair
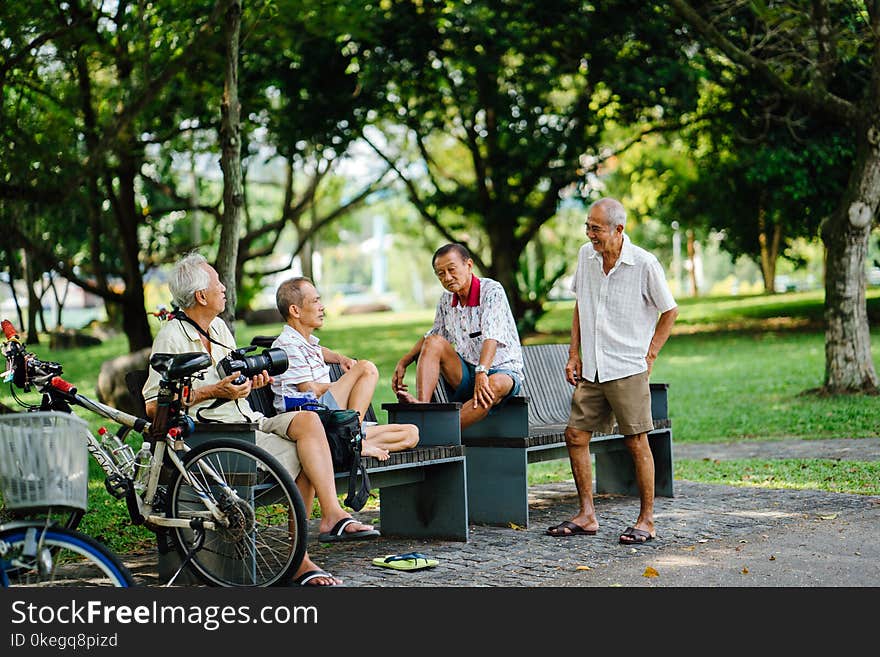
x: 296, y: 438
x: 623, y: 316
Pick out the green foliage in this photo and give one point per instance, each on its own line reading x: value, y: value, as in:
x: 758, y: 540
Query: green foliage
x: 501, y: 103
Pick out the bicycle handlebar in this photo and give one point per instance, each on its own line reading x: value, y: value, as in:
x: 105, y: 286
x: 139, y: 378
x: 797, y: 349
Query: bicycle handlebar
x: 28, y: 370
x: 9, y: 330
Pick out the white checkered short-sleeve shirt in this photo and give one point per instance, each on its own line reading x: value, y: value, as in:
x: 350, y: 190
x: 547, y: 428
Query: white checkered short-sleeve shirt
x: 618, y: 312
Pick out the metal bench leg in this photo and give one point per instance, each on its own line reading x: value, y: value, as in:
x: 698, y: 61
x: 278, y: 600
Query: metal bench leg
x: 616, y: 474
x: 433, y: 508
x: 498, y: 486
x: 661, y: 448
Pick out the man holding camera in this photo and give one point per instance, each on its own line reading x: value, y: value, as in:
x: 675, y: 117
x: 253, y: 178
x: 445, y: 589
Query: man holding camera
x: 295, y: 438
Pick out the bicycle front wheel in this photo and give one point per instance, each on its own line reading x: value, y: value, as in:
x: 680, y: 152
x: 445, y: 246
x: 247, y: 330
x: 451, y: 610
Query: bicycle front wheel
x: 261, y: 538
x: 32, y: 554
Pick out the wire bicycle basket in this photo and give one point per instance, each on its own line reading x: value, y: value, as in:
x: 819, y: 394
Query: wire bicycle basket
x: 44, y: 460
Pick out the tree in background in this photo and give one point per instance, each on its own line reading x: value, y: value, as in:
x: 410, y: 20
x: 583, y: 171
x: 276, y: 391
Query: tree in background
x: 87, y: 89
x: 822, y: 59
x: 751, y: 169
x: 500, y: 105
x: 230, y: 163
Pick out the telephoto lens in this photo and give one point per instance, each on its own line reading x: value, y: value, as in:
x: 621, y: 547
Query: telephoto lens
x: 273, y: 360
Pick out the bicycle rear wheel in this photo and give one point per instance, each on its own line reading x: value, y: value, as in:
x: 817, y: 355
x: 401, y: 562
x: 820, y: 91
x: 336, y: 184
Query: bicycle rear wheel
x: 33, y: 554
x: 264, y: 540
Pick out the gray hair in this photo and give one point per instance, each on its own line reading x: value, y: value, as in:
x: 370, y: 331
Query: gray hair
x: 289, y: 294
x: 615, y: 213
x: 187, y: 278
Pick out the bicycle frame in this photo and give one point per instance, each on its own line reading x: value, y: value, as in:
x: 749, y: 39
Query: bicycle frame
x: 59, y: 394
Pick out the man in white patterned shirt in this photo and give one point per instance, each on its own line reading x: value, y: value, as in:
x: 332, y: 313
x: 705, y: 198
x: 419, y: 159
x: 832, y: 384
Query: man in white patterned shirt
x: 622, y: 318
x: 473, y: 344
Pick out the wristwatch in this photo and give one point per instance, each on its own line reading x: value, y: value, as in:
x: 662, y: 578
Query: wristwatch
x: 481, y: 368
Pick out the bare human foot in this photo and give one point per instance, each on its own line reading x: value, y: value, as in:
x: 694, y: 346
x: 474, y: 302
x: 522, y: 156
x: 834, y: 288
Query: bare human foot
x: 350, y: 527
x: 376, y: 452
x: 314, y: 575
x: 405, y: 398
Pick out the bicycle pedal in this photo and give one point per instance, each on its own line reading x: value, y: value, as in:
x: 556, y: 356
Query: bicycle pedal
x: 117, y: 485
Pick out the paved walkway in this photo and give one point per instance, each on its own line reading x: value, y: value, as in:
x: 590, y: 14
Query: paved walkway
x: 708, y: 535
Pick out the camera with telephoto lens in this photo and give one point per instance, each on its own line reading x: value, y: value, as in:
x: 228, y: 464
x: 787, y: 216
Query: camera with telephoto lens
x: 273, y: 360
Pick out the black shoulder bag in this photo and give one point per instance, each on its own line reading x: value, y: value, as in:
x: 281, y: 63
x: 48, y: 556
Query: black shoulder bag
x: 343, y: 429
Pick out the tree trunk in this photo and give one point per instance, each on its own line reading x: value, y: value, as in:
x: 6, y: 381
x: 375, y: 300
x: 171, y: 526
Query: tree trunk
x: 230, y: 163
x: 769, y: 251
x: 506, y: 255
x: 10, y: 256
x: 692, y: 259
x: 305, y: 260
x: 849, y: 366
x: 30, y: 277
x: 133, y: 302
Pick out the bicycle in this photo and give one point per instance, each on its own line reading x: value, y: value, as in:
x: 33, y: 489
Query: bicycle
x: 42, y: 475
x: 233, y: 512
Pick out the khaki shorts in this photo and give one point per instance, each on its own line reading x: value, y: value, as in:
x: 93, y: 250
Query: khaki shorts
x: 594, y: 406
x: 272, y: 436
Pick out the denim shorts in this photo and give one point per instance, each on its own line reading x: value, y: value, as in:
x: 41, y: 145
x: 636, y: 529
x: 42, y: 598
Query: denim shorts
x: 465, y: 389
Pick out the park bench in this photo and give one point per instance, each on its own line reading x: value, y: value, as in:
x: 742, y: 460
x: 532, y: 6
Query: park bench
x: 530, y: 429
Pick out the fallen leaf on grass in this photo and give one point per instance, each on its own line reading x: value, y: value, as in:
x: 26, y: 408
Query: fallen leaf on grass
x: 650, y: 572
x: 583, y: 568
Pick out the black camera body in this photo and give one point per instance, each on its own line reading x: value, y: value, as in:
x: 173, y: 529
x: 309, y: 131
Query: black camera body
x: 273, y: 360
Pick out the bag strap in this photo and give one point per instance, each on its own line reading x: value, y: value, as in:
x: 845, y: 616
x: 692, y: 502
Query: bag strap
x: 357, y: 495
x: 356, y: 499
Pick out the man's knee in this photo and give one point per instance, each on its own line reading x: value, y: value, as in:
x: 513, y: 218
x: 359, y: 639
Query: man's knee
x: 576, y: 437
x: 366, y: 368
x: 434, y: 345
x: 305, y: 424
x: 637, y: 443
x: 412, y: 436
x: 501, y: 384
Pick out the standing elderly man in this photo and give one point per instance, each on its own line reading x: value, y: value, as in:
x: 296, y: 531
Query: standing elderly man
x: 616, y: 335
x: 296, y: 439
x: 474, y: 343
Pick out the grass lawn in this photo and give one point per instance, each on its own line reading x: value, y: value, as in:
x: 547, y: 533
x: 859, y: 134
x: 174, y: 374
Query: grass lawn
x: 738, y: 368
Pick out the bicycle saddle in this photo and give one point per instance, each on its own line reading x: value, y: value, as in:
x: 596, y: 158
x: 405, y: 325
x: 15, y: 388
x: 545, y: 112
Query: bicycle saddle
x: 179, y: 366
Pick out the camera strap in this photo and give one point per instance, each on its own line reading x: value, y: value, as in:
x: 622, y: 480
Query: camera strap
x: 181, y: 316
